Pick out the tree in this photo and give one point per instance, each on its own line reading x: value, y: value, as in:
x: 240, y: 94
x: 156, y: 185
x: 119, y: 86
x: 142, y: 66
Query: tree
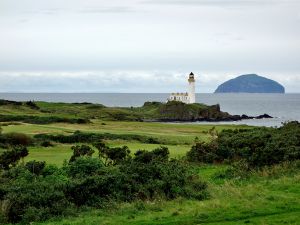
x: 11, y: 157
x: 112, y: 156
x: 83, y: 150
x: 35, y: 167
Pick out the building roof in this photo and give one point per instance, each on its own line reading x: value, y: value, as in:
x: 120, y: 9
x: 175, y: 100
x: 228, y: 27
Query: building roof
x: 191, y: 73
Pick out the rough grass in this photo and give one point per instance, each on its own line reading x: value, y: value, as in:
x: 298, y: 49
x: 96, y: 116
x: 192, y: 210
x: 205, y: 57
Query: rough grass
x: 260, y: 200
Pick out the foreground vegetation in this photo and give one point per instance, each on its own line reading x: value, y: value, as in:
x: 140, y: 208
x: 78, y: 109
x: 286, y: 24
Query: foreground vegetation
x: 113, y: 172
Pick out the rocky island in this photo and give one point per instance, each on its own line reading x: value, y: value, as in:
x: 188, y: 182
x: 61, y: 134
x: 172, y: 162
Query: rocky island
x: 250, y: 83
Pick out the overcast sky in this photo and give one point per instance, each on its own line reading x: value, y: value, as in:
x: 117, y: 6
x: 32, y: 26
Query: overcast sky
x: 145, y: 45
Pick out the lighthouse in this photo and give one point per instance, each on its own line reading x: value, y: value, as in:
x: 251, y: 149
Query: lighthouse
x: 187, y: 97
x: 192, y: 95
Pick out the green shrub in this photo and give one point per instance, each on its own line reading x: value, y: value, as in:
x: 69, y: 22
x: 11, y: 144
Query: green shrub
x: 37, y: 192
x: 202, y: 152
x: 84, y: 166
x: 83, y: 150
x: 35, y: 167
x: 46, y: 144
x: 80, y: 137
x: 13, y: 139
x: 41, y: 119
x: 11, y: 157
x: 112, y: 156
x: 257, y: 147
x: 32, y: 105
x: 161, y: 154
x: 29, y: 197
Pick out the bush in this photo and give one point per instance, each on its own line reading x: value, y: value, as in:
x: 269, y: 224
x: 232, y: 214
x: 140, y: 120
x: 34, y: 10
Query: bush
x: 83, y: 150
x: 161, y: 154
x: 32, y: 105
x: 13, y: 139
x: 41, y: 119
x: 46, y: 144
x: 36, y: 192
x: 30, y: 198
x: 35, y: 167
x: 10, y: 158
x: 202, y: 152
x: 83, y: 167
x: 112, y: 156
x: 257, y: 147
x: 80, y: 137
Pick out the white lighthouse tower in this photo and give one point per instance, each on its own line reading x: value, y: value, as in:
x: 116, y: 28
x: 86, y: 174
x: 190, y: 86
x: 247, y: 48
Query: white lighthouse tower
x: 187, y: 97
x: 192, y: 95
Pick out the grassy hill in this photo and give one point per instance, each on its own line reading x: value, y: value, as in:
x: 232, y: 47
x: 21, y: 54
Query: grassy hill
x: 44, y: 112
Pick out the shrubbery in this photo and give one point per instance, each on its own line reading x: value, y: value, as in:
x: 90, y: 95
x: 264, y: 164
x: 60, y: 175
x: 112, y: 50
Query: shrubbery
x: 36, y: 192
x: 41, y: 119
x: 13, y: 139
x: 256, y: 147
x: 80, y: 137
x: 11, y: 157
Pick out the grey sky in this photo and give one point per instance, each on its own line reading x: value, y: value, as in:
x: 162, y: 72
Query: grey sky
x: 145, y: 45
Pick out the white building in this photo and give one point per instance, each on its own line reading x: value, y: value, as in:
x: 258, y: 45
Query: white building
x: 187, y: 97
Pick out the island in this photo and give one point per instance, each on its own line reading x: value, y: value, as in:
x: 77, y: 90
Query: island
x: 250, y: 83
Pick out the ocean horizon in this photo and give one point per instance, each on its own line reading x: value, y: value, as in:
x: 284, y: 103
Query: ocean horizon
x: 283, y: 107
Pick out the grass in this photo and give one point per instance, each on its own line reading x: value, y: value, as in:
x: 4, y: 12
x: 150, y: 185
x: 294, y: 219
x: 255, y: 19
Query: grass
x: 57, y: 154
x: 261, y: 200
x: 179, y: 137
x: 170, y: 133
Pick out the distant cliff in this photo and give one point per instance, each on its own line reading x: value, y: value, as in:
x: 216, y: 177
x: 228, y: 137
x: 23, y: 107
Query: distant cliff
x: 250, y: 83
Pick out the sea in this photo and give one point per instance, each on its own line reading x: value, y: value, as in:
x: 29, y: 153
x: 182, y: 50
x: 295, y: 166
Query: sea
x: 283, y: 107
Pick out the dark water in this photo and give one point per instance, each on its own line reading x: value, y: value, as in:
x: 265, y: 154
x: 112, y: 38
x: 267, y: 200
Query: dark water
x: 284, y: 107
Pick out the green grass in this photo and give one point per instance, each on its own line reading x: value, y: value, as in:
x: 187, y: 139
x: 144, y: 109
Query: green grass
x: 261, y: 200
x: 178, y: 137
x: 60, y: 152
x: 169, y: 133
x: 53, y: 155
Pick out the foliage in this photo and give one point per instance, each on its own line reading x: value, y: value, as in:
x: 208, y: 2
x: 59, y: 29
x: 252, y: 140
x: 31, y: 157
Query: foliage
x: 80, y: 137
x: 161, y: 154
x: 257, y: 147
x: 202, y: 152
x: 83, y: 150
x: 13, y: 139
x: 29, y: 197
x: 11, y: 157
x: 35, y: 119
x: 36, y: 192
x: 46, y: 144
x: 32, y: 105
x: 35, y: 167
x: 112, y: 156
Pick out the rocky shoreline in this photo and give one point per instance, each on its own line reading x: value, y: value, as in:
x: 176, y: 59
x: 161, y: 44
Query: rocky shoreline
x: 230, y: 118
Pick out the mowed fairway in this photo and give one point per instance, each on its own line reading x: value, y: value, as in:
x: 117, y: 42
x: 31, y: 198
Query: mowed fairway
x: 60, y: 152
x: 178, y: 137
x: 178, y: 133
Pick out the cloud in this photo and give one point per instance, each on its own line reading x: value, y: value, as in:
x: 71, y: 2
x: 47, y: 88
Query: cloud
x: 96, y: 81
x: 45, y: 11
x: 115, y: 9
x: 122, y: 81
x: 218, y: 3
